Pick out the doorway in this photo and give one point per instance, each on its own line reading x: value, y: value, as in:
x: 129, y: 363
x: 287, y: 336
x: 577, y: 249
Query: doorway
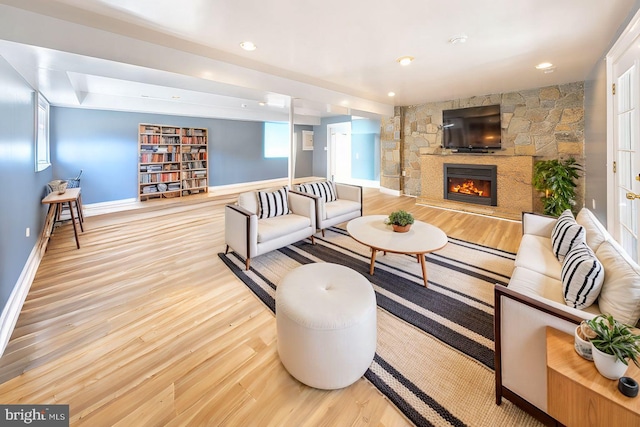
x: 339, y: 155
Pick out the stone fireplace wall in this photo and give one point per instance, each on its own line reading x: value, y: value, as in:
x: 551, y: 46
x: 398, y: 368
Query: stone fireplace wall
x: 545, y: 123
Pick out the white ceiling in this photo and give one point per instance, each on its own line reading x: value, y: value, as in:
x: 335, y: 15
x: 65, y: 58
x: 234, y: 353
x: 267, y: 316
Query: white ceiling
x: 332, y: 57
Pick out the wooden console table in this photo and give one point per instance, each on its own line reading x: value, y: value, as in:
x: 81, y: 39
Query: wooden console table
x: 578, y: 395
x: 56, y: 202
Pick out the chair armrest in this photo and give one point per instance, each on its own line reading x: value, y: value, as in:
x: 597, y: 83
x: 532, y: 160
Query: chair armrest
x: 520, y: 342
x: 302, y: 193
x: 349, y: 192
x: 303, y: 204
x: 241, y: 230
x: 537, y: 224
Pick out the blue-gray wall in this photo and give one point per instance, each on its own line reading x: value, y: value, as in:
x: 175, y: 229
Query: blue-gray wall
x: 304, y: 159
x: 22, y: 187
x: 104, y: 144
x: 365, y: 149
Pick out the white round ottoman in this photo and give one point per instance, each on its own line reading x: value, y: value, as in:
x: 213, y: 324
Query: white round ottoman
x: 326, y: 324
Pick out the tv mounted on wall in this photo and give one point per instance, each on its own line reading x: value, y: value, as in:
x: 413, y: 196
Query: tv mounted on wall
x: 472, y: 129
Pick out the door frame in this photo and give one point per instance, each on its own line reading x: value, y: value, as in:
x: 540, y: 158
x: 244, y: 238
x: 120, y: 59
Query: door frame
x: 619, y: 48
x: 335, y: 127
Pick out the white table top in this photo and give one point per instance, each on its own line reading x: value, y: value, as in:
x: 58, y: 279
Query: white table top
x: 371, y: 230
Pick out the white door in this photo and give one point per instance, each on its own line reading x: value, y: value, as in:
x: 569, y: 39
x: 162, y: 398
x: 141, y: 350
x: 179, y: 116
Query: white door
x: 626, y: 154
x: 339, y: 155
x: 624, y: 63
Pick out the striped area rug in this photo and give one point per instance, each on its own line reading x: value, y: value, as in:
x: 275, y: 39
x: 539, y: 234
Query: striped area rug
x: 434, y: 358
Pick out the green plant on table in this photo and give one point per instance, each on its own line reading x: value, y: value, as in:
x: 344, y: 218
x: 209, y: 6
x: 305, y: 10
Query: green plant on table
x: 615, y: 338
x: 400, y: 218
x: 556, y: 178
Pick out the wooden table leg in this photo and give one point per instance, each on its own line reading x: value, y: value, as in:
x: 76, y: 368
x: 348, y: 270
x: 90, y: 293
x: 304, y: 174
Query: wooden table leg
x: 50, y: 221
x: 373, y: 260
x: 79, y: 208
x: 423, y: 264
x: 79, y: 215
x: 75, y: 227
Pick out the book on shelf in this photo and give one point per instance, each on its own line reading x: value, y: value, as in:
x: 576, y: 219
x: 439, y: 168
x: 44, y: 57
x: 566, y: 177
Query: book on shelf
x: 149, y: 129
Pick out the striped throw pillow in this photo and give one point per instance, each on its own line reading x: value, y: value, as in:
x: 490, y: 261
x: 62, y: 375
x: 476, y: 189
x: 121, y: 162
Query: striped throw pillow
x: 582, y: 277
x: 325, y: 190
x: 566, y: 233
x: 273, y: 203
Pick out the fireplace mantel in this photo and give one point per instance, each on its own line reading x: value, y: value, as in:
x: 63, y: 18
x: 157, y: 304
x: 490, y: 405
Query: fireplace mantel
x: 515, y: 191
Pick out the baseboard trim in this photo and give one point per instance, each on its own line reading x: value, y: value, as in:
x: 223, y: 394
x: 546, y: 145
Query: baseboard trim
x: 223, y: 190
x: 390, y: 191
x: 107, y: 207
x: 11, y: 311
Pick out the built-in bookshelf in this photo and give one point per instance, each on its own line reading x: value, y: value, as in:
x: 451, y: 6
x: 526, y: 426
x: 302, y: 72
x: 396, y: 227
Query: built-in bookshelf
x: 173, y: 161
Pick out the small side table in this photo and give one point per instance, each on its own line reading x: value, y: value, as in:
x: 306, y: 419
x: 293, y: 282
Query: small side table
x: 56, y: 202
x: 577, y: 395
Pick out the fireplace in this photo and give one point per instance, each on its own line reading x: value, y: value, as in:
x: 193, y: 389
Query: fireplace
x: 471, y: 183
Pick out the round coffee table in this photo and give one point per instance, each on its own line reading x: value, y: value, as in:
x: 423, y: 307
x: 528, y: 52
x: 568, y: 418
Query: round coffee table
x: 422, y: 238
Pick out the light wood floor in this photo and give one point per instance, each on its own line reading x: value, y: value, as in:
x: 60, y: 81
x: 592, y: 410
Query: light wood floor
x: 145, y: 326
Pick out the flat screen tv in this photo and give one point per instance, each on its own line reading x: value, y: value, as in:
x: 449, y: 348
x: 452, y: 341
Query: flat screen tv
x: 473, y: 128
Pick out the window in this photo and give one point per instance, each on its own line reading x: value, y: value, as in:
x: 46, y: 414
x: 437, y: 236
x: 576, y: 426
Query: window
x: 276, y: 139
x: 43, y: 160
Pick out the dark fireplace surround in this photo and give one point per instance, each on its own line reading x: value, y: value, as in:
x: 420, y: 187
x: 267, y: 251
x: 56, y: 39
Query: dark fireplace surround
x: 471, y: 183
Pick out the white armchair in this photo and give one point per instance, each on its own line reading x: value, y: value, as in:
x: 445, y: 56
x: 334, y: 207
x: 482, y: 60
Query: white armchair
x: 346, y: 206
x: 249, y: 235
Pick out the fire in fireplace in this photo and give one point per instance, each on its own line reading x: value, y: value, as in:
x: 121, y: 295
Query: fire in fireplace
x: 471, y: 183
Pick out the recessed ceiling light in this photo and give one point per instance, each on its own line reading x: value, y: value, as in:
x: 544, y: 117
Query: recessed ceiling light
x: 460, y: 38
x: 391, y: 94
x: 249, y: 46
x: 175, y: 97
x: 544, y: 65
x: 262, y: 104
x: 405, y: 60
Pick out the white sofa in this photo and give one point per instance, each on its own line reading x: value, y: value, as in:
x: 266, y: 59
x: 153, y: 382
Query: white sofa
x: 348, y: 203
x: 534, y: 300
x: 249, y: 236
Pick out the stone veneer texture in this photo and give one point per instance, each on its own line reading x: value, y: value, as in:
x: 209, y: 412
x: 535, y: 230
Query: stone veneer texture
x: 546, y: 123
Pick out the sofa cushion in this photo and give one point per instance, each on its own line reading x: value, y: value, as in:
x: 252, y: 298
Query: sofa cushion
x: 595, y: 233
x: 535, y: 253
x: 325, y: 190
x: 274, y: 203
x: 566, y: 233
x: 340, y: 207
x: 272, y: 228
x: 543, y: 288
x: 620, y: 294
x: 533, y: 283
x: 582, y: 277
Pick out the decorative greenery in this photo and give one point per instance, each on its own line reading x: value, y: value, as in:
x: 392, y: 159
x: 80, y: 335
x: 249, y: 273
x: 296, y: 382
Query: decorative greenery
x: 400, y: 217
x: 615, y: 338
x: 556, y: 179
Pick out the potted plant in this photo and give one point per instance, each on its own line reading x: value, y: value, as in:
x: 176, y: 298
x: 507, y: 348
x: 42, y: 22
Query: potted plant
x: 613, y: 345
x: 400, y: 221
x: 556, y: 179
